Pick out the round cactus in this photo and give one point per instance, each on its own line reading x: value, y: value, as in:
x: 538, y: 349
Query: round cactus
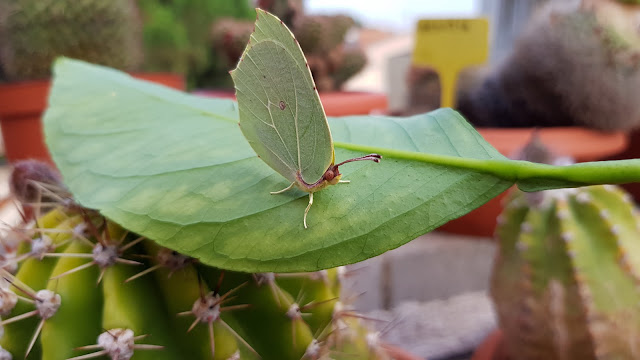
x: 352, y: 61
x: 84, y: 287
x: 230, y: 37
x: 35, y: 32
x: 565, y: 281
x: 311, y: 33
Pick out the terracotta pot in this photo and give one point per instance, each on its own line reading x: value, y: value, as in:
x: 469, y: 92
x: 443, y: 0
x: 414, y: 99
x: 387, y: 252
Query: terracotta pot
x: 579, y: 143
x: 492, y: 348
x: 397, y: 353
x: 340, y: 103
x: 353, y: 103
x: 21, y: 108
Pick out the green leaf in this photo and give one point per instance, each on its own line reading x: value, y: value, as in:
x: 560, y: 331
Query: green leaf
x: 176, y: 168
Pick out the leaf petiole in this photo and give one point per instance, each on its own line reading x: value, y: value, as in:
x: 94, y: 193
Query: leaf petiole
x: 529, y: 176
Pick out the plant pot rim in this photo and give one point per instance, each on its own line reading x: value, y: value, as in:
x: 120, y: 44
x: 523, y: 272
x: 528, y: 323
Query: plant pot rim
x: 492, y: 348
x: 22, y: 104
x: 17, y: 99
x: 577, y: 142
x: 398, y: 353
x: 335, y: 103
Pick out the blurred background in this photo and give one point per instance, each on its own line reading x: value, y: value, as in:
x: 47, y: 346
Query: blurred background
x: 568, y: 71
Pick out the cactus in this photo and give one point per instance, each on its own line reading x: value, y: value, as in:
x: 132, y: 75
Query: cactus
x: 85, y: 287
x: 286, y: 10
x: 565, y: 281
x: 323, y: 39
x: 312, y: 34
x: 353, y: 60
x: 231, y: 37
x: 35, y: 32
x: 166, y: 42
x: 577, y: 63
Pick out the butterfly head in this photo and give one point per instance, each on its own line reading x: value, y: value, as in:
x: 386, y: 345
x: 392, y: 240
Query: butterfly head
x: 332, y: 175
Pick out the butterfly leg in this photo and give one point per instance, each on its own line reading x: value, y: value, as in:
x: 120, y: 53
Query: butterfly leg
x: 283, y: 190
x: 307, y: 209
x: 344, y: 181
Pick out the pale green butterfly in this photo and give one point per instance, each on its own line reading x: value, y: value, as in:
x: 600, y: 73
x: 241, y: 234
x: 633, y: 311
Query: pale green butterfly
x: 280, y: 111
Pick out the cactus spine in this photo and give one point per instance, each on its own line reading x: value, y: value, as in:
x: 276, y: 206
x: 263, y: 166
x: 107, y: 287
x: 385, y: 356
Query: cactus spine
x: 113, y: 293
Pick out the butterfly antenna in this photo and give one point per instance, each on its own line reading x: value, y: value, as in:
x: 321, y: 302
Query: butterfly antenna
x: 372, y: 157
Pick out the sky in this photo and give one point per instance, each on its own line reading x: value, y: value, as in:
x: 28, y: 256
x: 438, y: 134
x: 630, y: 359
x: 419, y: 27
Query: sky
x: 400, y: 17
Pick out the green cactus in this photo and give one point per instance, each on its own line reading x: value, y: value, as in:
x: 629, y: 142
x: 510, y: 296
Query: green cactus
x: 311, y: 32
x: 166, y: 42
x: 565, y: 281
x: 339, y: 26
x: 87, y: 286
x: 35, y: 32
x: 353, y: 60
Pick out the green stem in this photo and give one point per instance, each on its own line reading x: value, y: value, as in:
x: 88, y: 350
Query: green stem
x: 518, y: 171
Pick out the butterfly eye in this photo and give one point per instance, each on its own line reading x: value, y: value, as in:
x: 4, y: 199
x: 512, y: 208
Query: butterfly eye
x: 329, y: 175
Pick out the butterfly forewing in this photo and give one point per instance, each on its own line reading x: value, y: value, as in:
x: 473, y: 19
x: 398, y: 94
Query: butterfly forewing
x: 280, y: 111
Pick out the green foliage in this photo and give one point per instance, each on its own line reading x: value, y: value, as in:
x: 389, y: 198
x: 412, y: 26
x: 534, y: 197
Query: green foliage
x: 177, y: 36
x: 35, y: 32
x: 565, y: 282
x: 176, y: 168
x: 166, y: 43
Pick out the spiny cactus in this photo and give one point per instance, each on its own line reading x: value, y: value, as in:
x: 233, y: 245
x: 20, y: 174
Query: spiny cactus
x: 577, y: 63
x: 84, y: 287
x: 567, y: 274
x: 323, y: 39
x: 35, y: 32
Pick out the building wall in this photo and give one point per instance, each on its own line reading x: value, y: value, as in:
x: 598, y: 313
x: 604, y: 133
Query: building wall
x: 507, y: 19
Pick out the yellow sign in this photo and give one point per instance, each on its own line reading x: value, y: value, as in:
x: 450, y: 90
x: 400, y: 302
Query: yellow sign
x: 449, y: 46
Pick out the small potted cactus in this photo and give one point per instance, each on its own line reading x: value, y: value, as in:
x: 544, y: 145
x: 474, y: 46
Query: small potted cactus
x: 333, y: 55
x: 565, y: 278
x: 34, y: 32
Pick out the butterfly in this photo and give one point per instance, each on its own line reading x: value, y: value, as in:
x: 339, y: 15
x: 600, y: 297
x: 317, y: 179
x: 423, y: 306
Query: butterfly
x: 281, y: 115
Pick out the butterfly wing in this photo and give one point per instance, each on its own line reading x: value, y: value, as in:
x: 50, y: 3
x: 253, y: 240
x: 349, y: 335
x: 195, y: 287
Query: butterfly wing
x: 280, y: 111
